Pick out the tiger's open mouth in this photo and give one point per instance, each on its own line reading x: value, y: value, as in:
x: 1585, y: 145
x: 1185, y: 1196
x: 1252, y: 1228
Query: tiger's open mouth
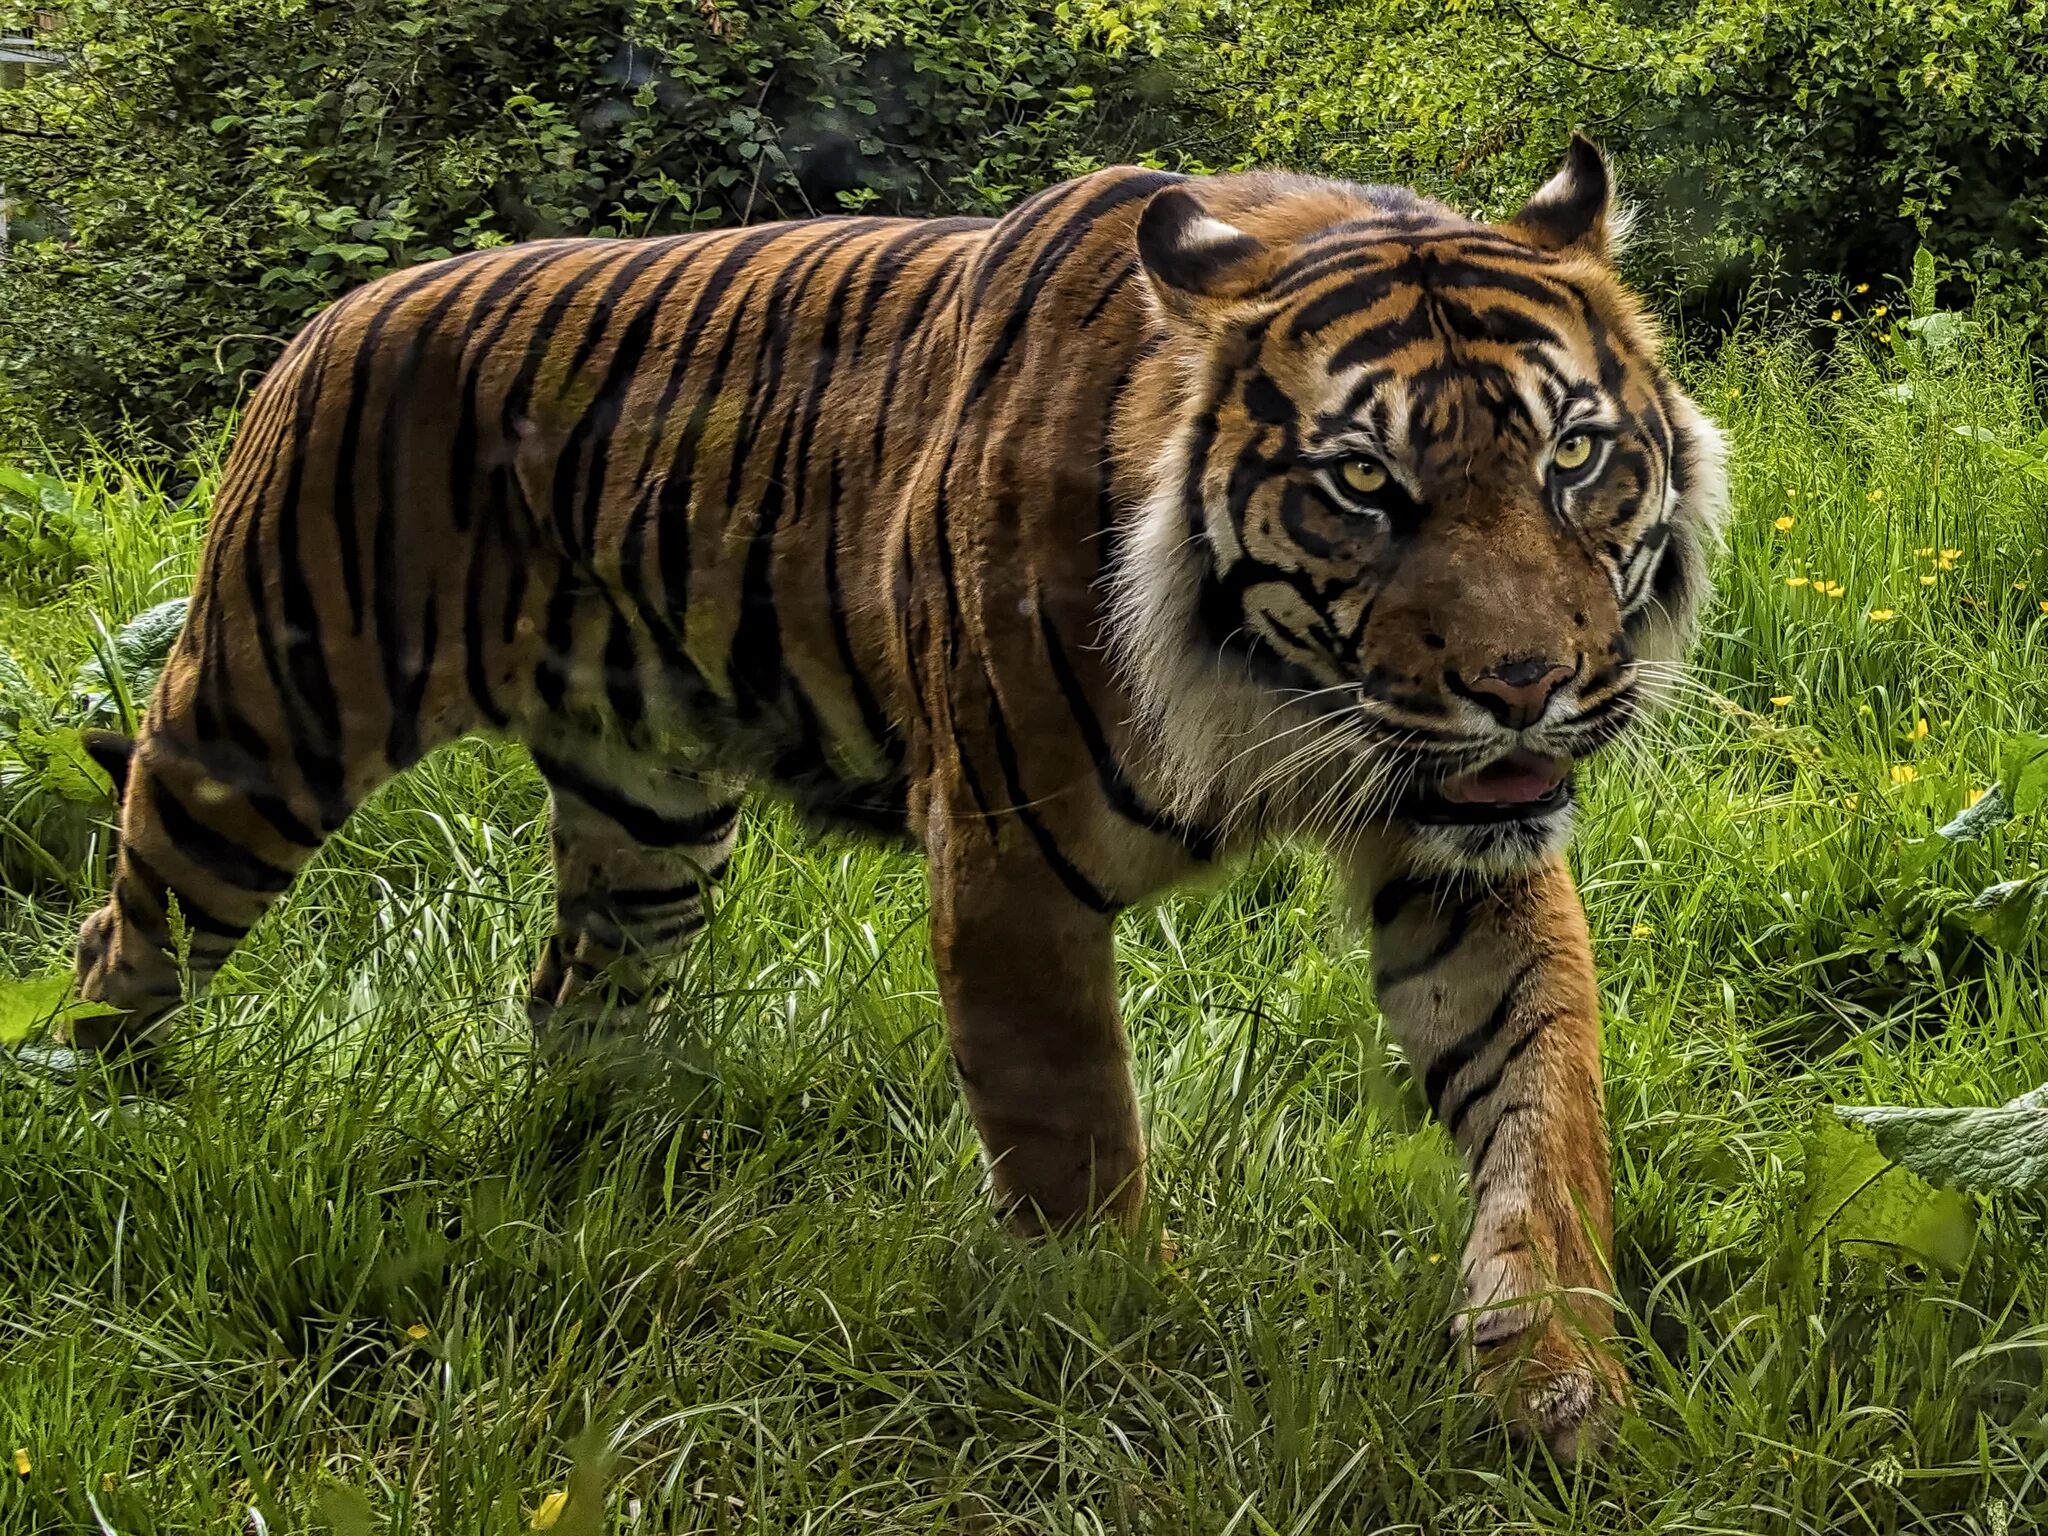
x: 1522, y: 786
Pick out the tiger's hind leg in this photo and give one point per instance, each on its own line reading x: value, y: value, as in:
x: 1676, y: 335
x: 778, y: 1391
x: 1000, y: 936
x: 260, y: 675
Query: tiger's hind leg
x: 212, y: 831
x: 638, y: 846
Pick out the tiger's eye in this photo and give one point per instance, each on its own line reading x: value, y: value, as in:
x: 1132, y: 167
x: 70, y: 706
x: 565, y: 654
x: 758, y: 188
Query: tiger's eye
x: 1362, y: 476
x: 1573, y: 451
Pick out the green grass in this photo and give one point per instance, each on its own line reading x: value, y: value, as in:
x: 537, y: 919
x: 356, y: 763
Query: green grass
x: 759, y: 1292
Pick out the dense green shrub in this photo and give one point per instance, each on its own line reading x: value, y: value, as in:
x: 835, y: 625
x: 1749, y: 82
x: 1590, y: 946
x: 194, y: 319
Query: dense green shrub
x: 206, y: 174
x: 1763, y: 139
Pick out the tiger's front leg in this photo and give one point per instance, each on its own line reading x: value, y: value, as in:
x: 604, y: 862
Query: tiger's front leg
x: 1028, y: 976
x: 1488, y: 982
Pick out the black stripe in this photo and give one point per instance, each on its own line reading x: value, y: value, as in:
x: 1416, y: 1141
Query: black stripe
x: 156, y: 929
x: 872, y: 720
x: 1390, y: 899
x: 1482, y: 1181
x: 242, y: 762
x: 753, y: 663
x: 1117, y: 788
x: 645, y: 898
x: 1463, y: 1052
x: 404, y: 686
x: 667, y: 497
x: 215, y: 852
x: 311, y: 704
x: 551, y: 674
x: 485, y: 555
x: 891, y: 261
x: 622, y: 673
x: 1458, y: 920
x: 1084, y: 890
x: 946, y: 275
x: 1454, y: 1115
x: 499, y: 303
x: 1124, y: 273
x: 649, y: 827
x: 1050, y: 257
x: 1354, y: 296
x: 576, y: 480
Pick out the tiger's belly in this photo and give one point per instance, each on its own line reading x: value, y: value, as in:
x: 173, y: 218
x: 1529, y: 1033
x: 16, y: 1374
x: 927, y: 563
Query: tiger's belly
x: 753, y: 704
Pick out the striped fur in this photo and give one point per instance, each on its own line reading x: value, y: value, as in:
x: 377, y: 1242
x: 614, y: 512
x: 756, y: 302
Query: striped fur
x: 1028, y: 542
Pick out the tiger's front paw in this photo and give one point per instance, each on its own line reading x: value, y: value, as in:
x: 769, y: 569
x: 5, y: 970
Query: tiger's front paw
x: 1543, y: 1352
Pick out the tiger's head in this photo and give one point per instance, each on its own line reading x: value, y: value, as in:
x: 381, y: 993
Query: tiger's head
x: 1427, y: 522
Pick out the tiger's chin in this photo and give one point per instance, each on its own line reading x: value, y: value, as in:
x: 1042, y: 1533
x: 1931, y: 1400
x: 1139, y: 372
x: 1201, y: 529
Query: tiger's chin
x: 1450, y: 832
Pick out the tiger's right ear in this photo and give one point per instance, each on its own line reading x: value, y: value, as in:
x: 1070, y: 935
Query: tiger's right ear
x: 1196, y: 263
x: 113, y: 752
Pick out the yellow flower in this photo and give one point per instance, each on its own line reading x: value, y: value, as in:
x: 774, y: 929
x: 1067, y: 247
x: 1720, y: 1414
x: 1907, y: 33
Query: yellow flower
x: 1928, y: 581
x: 1881, y: 310
x: 2020, y: 585
x: 1642, y: 931
x: 1971, y: 797
x: 1886, y: 338
x: 1925, y: 554
x: 1945, y: 563
x: 1919, y: 731
x: 1851, y: 802
x: 2044, y: 607
x: 1875, y: 493
x: 1951, y: 554
x: 417, y: 1332
x: 1436, y: 1258
x: 1834, y: 314
x: 1780, y: 700
x: 1882, y: 615
x: 1863, y: 287
x: 22, y: 1465
x: 550, y: 1511
x: 1800, y: 581
x: 1783, y: 525
x: 1735, y: 394
x: 1904, y: 773
x: 1832, y: 588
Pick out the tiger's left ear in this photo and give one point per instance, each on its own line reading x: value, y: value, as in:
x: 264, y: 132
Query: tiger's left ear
x: 1574, y: 210
x: 1197, y: 263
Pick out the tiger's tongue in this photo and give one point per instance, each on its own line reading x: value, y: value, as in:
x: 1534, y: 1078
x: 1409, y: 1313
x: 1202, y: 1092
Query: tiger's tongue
x: 1515, y: 780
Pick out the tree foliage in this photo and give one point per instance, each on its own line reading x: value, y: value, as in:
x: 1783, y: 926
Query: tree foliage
x: 208, y: 173
x: 1764, y: 139
x: 205, y: 175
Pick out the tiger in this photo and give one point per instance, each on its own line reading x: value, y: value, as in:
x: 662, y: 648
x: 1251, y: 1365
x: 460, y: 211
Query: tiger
x: 1086, y: 550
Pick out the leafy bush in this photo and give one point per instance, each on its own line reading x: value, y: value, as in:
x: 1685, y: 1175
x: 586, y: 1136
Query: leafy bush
x: 202, y: 177
x: 1765, y: 139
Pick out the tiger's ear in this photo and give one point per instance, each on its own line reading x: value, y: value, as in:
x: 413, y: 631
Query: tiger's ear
x: 1574, y: 210
x: 1197, y: 263
x: 113, y: 752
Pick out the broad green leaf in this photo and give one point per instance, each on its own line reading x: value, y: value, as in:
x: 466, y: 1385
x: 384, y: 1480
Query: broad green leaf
x: 2004, y: 913
x: 1975, y: 821
x: 1969, y: 824
x: 140, y: 647
x: 62, y: 764
x: 2023, y: 771
x: 346, y: 1511
x: 29, y: 1007
x: 2000, y: 1147
x: 1855, y: 1194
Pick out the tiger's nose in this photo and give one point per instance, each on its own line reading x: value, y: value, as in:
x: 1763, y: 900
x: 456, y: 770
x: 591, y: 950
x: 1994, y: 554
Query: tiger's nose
x: 1516, y: 693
